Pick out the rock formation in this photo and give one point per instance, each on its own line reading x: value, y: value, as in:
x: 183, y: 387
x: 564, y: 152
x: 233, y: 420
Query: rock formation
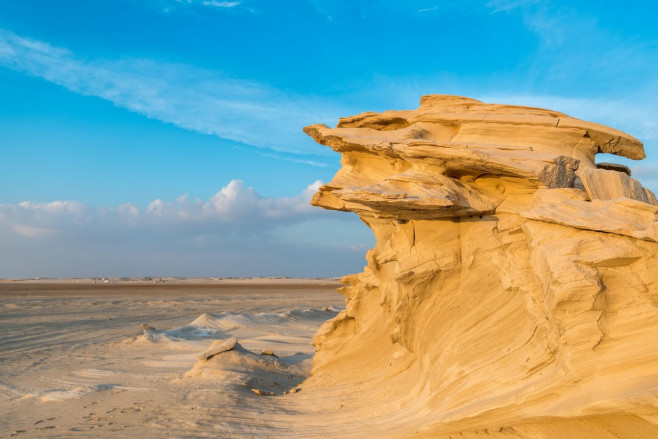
x: 514, y: 280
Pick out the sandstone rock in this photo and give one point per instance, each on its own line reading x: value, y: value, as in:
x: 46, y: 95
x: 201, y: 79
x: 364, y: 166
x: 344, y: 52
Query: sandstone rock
x: 614, y: 167
x: 602, y: 184
x: 150, y: 333
x: 147, y: 328
x: 502, y: 289
x: 622, y: 216
x: 217, y: 347
x: 414, y: 195
x: 467, y: 160
x: 651, y: 197
x: 524, y: 126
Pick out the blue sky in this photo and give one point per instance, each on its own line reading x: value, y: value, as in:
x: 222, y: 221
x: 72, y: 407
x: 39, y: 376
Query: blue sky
x: 163, y: 137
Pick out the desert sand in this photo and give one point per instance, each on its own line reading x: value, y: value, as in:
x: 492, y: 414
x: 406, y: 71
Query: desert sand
x: 512, y: 293
x: 75, y: 361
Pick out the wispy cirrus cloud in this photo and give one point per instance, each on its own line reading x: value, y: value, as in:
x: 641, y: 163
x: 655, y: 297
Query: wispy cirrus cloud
x: 211, y: 3
x: 234, y: 232
x: 217, y: 4
x: 195, y: 99
x: 168, y: 6
x: 508, y: 5
x: 574, y: 44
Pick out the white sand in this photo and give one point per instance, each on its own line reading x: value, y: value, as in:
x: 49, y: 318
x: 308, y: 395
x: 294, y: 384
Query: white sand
x: 74, y: 360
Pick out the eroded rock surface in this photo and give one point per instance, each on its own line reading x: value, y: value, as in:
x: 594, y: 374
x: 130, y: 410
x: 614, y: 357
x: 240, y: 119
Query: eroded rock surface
x: 512, y: 280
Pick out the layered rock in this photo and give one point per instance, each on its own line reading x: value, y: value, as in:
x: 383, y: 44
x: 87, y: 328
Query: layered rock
x: 513, y: 279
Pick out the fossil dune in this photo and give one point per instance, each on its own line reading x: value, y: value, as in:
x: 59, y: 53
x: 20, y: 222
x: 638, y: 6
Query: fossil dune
x: 514, y: 284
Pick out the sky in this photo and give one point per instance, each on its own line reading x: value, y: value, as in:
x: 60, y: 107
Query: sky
x: 164, y: 137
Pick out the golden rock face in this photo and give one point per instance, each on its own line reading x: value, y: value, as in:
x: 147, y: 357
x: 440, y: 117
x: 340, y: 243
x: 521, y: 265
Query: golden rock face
x: 442, y: 159
x: 512, y: 279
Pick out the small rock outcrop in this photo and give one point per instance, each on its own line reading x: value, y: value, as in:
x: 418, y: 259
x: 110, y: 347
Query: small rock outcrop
x: 218, y: 347
x: 513, y: 278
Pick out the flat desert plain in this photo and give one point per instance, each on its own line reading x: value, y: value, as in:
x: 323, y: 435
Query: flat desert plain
x: 75, y: 360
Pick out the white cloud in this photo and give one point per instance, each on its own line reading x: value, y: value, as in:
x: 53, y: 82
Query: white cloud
x: 32, y: 232
x: 191, y: 98
x: 234, y: 204
x: 211, y: 3
x: 220, y: 4
x: 236, y: 232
